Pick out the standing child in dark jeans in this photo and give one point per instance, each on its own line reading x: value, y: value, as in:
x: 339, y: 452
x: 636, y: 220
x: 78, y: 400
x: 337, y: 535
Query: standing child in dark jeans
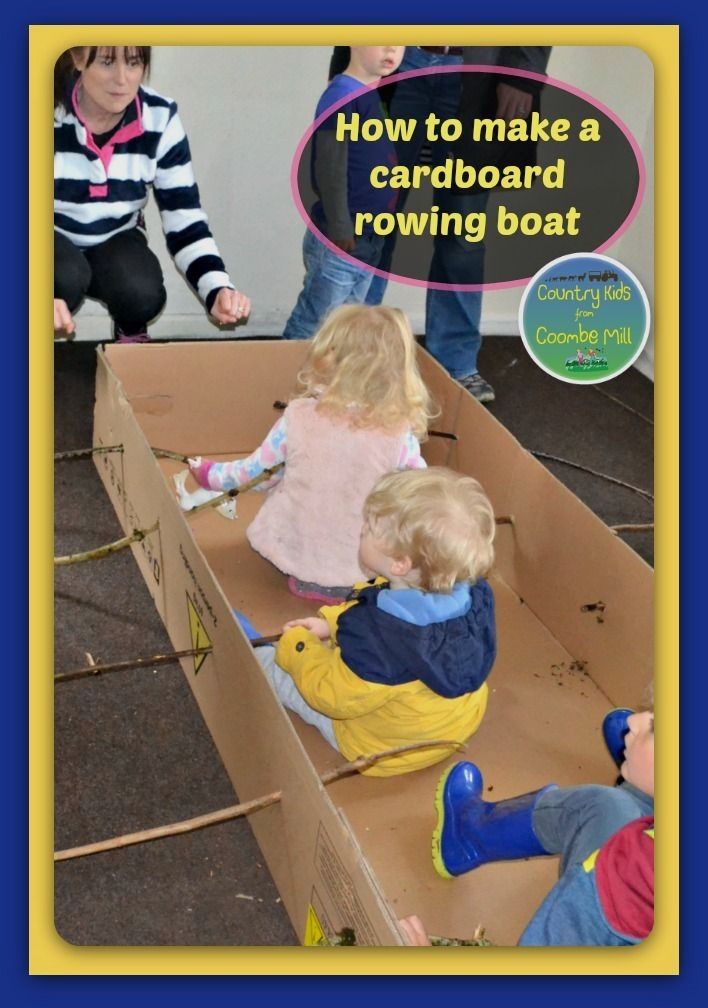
x: 406, y: 658
x: 340, y: 173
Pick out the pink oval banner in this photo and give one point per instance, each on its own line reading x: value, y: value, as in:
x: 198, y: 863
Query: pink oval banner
x: 472, y: 202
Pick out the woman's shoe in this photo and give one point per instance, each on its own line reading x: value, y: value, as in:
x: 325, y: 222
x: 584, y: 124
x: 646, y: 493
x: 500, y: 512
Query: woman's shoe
x: 120, y: 336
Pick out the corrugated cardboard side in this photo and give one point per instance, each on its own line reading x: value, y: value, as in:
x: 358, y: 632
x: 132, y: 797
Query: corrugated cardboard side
x: 545, y: 707
x: 557, y: 556
x: 560, y: 666
x: 308, y: 847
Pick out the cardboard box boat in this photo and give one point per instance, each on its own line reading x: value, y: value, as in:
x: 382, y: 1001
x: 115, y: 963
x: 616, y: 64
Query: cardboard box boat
x: 357, y: 853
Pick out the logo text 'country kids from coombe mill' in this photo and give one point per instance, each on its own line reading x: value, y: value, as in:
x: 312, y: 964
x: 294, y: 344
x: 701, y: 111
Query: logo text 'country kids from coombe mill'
x: 584, y: 318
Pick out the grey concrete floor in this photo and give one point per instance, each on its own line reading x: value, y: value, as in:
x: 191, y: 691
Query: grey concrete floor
x: 131, y: 749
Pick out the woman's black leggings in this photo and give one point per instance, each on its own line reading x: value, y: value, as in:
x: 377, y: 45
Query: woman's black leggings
x: 122, y: 273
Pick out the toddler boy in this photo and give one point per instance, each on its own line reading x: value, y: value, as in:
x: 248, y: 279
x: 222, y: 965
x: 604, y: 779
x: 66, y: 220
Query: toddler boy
x: 406, y: 658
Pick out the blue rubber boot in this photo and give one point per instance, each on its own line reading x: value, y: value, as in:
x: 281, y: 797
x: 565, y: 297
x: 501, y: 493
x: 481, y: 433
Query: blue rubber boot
x: 471, y: 832
x: 614, y: 729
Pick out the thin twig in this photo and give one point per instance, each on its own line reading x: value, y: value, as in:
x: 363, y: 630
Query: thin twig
x: 632, y: 528
x: 265, y: 475
x: 364, y: 762
x: 173, y: 829
x: 630, y: 409
x: 86, y: 452
x: 93, y: 669
x: 504, y: 520
x: 102, y: 551
x: 245, y: 808
x: 261, y: 641
x: 593, y: 472
x: 166, y: 453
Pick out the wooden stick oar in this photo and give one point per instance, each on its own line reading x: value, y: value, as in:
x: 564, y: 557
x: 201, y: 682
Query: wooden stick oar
x: 139, y: 534
x: 624, y: 405
x: 632, y: 528
x: 593, y: 472
x: 166, y: 659
x: 265, y: 475
x: 86, y: 452
x: 102, y: 551
x: 245, y: 808
x: 261, y: 641
x: 442, y: 434
x: 165, y: 453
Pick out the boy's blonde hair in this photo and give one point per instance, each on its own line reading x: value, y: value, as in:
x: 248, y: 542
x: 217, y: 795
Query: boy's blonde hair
x: 365, y: 357
x: 442, y: 521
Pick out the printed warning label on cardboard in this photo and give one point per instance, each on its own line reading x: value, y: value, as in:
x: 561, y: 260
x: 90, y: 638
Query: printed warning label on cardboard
x: 340, y: 900
x: 314, y: 932
x: 197, y: 633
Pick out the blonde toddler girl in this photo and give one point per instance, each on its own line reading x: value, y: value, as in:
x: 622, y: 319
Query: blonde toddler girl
x: 362, y: 412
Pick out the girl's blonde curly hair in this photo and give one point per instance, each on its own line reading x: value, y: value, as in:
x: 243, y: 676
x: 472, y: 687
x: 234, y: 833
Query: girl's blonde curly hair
x: 362, y: 365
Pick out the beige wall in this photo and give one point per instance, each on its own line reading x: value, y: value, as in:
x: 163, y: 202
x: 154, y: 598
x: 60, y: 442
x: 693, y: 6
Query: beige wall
x: 246, y: 108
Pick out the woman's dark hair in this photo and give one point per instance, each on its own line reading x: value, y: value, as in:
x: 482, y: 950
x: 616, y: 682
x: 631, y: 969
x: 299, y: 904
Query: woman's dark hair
x: 65, y: 73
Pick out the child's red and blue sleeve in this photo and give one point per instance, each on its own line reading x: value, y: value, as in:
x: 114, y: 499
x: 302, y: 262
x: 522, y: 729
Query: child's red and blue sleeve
x: 608, y: 900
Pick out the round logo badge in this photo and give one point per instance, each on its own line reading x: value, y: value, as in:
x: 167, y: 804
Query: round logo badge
x: 584, y: 318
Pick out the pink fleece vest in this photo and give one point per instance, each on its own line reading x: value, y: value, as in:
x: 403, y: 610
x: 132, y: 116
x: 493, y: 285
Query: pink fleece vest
x: 309, y: 524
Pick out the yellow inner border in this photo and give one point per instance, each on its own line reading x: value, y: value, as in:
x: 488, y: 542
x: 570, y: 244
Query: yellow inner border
x: 49, y: 954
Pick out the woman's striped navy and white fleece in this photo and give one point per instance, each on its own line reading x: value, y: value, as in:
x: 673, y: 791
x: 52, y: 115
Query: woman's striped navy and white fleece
x: 99, y: 192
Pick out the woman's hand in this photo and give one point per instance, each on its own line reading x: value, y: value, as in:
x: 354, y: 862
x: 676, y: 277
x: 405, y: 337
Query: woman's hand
x: 512, y: 103
x: 230, y: 307
x: 63, y: 321
x: 316, y: 626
